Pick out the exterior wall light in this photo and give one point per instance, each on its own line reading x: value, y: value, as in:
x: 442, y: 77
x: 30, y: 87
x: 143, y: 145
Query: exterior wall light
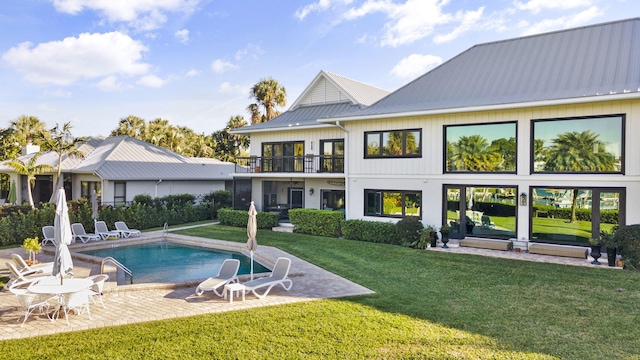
x: 523, y: 199
x: 311, y: 191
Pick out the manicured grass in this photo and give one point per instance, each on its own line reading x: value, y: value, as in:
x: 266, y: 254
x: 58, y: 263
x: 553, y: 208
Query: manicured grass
x: 427, y: 305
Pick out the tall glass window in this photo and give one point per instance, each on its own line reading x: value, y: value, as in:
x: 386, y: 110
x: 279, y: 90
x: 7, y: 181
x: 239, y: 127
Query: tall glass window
x: 332, y: 155
x: 578, y: 145
x: 480, y: 148
x: 283, y: 157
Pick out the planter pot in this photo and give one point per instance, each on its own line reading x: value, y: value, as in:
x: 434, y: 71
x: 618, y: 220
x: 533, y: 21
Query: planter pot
x: 445, y: 238
x: 434, y: 240
x: 595, y: 254
x: 611, y: 256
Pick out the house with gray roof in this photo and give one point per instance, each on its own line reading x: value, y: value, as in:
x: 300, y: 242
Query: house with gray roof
x: 295, y: 160
x: 529, y: 139
x: 121, y: 167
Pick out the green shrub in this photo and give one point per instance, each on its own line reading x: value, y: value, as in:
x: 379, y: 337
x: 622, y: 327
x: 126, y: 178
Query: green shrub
x: 220, y: 199
x: 426, y: 235
x: 145, y: 199
x: 316, y: 222
x: 629, y: 239
x: 371, y: 231
x: 408, y: 230
x: 240, y: 218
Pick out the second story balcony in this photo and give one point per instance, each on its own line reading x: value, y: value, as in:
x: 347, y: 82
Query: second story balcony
x: 291, y: 164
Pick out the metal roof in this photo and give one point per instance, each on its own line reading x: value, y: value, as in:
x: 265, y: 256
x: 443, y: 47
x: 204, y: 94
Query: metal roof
x: 600, y: 60
x: 127, y: 158
x: 359, y: 94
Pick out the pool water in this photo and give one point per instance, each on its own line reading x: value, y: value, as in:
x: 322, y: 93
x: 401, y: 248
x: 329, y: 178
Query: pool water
x: 161, y: 262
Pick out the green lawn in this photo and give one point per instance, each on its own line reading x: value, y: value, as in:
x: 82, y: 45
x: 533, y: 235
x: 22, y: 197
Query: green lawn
x: 433, y: 305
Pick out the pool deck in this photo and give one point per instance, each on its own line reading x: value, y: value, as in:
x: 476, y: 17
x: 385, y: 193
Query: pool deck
x: 147, y: 302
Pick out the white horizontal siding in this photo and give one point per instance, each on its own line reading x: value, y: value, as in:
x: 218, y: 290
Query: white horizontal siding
x: 323, y: 92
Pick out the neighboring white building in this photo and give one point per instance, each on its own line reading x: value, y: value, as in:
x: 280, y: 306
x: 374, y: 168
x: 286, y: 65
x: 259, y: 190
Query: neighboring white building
x: 503, y: 140
x: 121, y: 167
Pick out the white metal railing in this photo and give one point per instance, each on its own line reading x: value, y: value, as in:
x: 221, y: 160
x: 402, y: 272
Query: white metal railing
x: 118, y: 265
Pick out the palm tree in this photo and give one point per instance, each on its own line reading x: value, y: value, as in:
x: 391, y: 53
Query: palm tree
x: 157, y: 131
x: 30, y: 169
x: 254, y: 110
x: 131, y: 126
x: 62, y: 142
x: 268, y: 94
x: 473, y: 153
x: 28, y: 129
x: 578, y: 152
x: 228, y: 146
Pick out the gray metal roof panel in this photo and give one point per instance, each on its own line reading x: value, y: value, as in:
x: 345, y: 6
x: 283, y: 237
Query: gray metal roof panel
x: 362, y: 93
x: 592, y: 60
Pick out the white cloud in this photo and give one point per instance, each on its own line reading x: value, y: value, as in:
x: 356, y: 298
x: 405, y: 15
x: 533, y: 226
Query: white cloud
x: 192, y: 73
x: 182, y: 35
x: 58, y: 93
x: 468, y: 20
x: 110, y: 83
x: 151, y: 81
x: 535, y: 6
x: 251, y: 49
x: 227, y: 88
x: 564, y: 22
x: 88, y: 56
x: 320, y: 5
x: 141, y: 14
x: 415, y: 65
x: 221, y: 66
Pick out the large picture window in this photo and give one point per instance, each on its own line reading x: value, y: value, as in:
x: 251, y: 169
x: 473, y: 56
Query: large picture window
x: 283, y: 157
x: 396, y: 143
x: 573, y: 215
x: 578, y: 145
x: 480, y: 148
x: 393, y: 203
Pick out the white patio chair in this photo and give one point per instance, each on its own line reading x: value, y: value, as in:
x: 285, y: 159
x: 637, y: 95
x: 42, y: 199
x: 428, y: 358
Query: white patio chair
x: 30, y: 302
x: 104, y: 232
x: 16, y: 276
x: 279, y: 276
x: 95, y: 290
x: 228, y: 274
x: 122, y: 227
x: 49, y: 235
x: 79, y: 233
x: 78, y: 301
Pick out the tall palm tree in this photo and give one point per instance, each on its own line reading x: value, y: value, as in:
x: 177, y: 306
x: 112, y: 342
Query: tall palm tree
x: 30, y: 169
x: 254, y: 110
x: 28, y: 129
x: 61, y: 141
x: 578, y: 152
x: 157, y: 131
x: 268, y: 94
x: 473, y: 153
x: 131, y: 126
x: 228, y: 146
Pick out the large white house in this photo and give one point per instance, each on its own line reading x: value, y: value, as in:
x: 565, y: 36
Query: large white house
x: 120, y: 167
x: 509, y: 139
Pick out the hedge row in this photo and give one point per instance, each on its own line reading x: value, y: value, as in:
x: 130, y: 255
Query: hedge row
x: 316, y: 222
x: 372, y: 231
x: 16, y: 225
x: 239, y: 218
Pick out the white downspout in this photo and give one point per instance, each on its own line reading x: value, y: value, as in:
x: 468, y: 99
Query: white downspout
x: 346, y: 166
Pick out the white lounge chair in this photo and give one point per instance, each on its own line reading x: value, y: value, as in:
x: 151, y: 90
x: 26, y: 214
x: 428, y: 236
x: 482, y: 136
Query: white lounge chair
x: 228, y: 274
x: 49, y: 235
x: 124, y: 230
x: 278, y: 277
x: 79, y: 233
x: 25, y: 269
x: 17, y: 276
x: 29, y: 302
x: 95, y: 290
x: 104, y: 232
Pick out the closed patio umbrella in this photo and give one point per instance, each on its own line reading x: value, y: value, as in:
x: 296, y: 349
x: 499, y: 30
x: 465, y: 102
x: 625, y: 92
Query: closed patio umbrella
x: 94, y: 207
x: 62, y: 263
x: 252, y: 229
x: 12, y: 193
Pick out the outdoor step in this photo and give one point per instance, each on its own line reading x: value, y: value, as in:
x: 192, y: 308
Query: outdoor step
x: 288, y: 229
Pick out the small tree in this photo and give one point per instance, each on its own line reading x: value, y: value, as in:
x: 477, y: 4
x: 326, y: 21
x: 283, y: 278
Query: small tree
x: 31, y: 168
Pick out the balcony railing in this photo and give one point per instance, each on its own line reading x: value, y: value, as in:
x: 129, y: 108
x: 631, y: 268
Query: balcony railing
x: 291, y: 164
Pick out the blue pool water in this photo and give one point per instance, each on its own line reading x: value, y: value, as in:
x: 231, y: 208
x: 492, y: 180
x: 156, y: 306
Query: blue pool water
x: 170, y: 262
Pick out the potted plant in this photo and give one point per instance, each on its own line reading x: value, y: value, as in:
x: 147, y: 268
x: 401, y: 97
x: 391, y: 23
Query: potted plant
x: 596, y: 246
x: 444, y: 231
x: 428, y: 236
x: 608, y: 239
x: 32, y: 247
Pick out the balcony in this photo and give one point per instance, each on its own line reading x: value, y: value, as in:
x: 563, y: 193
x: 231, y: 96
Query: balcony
x: 291, y: 164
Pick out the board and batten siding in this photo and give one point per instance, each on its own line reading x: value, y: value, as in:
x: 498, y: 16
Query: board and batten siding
x: 322, y: 93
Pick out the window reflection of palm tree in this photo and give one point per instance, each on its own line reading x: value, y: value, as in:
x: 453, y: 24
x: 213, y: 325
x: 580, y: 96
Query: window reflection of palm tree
x: 578, y: 152
x: 473, y: 153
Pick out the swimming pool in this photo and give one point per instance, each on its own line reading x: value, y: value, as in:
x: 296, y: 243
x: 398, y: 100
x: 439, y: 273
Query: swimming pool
x: 162, y: 262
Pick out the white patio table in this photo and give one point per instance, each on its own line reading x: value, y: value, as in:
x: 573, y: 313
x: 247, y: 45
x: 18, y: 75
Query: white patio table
x: 51, y: 285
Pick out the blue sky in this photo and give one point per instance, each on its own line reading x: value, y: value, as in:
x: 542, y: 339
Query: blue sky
x: 192, y: 62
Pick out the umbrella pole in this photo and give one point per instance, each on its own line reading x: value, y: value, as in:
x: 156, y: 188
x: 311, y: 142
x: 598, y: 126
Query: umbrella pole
x: 251, y: 265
